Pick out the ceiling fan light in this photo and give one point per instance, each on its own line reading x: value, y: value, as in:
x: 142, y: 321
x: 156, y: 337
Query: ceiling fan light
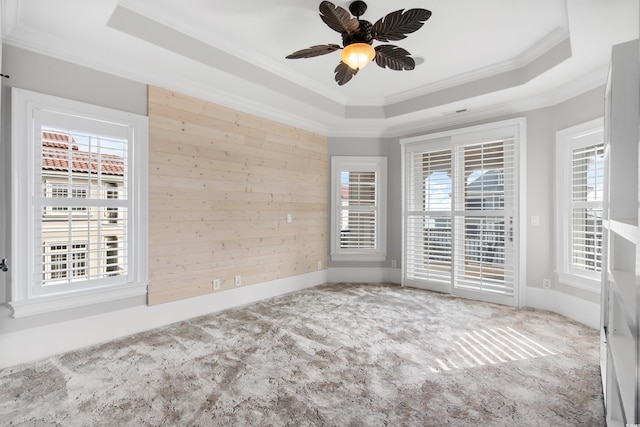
x: 357, y: 55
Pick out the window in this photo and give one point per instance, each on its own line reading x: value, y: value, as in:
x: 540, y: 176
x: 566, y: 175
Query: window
x: 80, y: 202
x: 112, y: 263
x: 111, y: 193
x: 358, y: 222
x: 580, y: 172
x: 58, y: 190
x: 62, y: 262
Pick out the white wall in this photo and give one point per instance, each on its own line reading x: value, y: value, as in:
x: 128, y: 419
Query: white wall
x: 48, y: 75
x: 542, y: 125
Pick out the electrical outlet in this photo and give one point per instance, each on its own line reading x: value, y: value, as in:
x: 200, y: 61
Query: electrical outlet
x: 216, y: 284
x: 289, y: 217
x: 319, y: 265
x: 237, y: 280
x: 546, y: 283
x: 394, y: 263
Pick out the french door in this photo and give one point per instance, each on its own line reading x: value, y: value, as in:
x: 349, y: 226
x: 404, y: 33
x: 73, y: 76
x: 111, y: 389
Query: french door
x: 460, y: 219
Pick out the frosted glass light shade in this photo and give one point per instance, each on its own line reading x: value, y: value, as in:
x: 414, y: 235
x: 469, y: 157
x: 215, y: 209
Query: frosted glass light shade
x: 357, y: 55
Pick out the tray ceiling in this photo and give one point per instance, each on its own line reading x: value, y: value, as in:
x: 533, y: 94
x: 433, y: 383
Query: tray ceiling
x: 475, y: 58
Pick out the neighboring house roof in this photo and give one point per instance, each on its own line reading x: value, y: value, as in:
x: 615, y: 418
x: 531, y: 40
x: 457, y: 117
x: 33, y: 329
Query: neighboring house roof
x: 490, y: 181
x: 344, y: 192
x: 56, y: 154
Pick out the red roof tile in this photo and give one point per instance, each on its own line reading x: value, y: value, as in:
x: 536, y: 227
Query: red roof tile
x: 56, y: 156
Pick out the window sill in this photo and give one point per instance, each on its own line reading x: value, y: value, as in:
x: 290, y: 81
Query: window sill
x: 580, y: 282
x: 358, y: 257
x: 51, y: 303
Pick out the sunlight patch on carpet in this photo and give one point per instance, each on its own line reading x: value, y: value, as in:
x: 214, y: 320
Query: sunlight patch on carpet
x: 483, y: 347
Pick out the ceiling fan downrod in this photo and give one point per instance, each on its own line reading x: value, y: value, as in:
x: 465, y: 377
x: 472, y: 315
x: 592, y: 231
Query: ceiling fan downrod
x: 357, y: 9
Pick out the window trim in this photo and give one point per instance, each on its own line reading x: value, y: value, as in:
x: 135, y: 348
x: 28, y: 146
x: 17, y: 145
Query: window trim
x: 341, y: 164
x: 23, y: 300
x: 565, y: 145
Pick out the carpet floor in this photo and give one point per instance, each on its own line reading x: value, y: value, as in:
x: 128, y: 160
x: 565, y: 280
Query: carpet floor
x: 334, y: 355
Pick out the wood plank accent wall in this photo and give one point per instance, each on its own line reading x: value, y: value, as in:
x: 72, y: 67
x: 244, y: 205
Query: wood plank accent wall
x: 221, y: 183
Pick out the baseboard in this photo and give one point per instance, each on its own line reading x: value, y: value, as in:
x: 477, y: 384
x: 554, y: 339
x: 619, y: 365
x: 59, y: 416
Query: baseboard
x: 365, y: 275
x: 37, y: 343
x: 585, y: 312
x: 582, y: 311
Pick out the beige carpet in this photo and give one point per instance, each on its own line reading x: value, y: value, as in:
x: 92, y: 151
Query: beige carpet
x: 335, y: 355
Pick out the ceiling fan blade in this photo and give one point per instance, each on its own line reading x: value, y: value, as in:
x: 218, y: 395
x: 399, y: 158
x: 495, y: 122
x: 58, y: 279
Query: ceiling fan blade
x: 396, y: 25
x: 394, y: 57
x: 338, y: 19
x: 344, y: 73
x: 317, y: 50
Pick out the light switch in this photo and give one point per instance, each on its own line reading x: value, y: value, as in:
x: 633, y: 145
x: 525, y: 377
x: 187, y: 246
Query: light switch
x: 289, y: 217
x: 535, y: 220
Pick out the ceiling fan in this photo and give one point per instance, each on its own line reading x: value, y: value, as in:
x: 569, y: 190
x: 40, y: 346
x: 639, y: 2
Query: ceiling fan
x: 358, y: 36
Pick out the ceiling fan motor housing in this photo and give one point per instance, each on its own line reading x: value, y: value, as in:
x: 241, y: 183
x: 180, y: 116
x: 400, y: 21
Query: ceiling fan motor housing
x: 362, y: 36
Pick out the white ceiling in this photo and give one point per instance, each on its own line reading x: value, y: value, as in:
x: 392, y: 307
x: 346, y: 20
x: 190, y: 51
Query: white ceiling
x: 487, y: 57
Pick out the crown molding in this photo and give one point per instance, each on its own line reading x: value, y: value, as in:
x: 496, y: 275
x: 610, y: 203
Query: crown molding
x: 373, y: 122
x: 333, y: 127
x: 231, y: 47
x: 527, y: 58
x: 421, y: 123
x: 10, y: 15
x: 337, y: 127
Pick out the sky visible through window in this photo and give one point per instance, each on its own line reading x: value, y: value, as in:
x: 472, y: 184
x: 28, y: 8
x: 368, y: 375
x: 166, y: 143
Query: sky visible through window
x: 595, y: 179
x: 107, y: 145
x: 438, y: 189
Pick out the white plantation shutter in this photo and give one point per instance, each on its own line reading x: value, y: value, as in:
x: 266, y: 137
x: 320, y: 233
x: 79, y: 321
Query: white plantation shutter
x: 83, y: 182
x: 428, y: 254
x: 484, y: 211
x: 587, y: 178
x: 358, y: 206
x: 460, y: 211
x: 358, y: 213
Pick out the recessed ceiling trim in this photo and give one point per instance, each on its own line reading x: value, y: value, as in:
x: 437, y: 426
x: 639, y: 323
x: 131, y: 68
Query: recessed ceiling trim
x: 417, y: 124
x: 140, y: 26
x: 550, y: 42
x: 497, y: 82
x: 136, y: 25
x: 234, y: 49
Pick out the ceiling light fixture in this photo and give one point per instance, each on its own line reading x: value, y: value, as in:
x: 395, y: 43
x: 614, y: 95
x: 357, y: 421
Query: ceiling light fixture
x: 358, y: 36
x: 357, y: 55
